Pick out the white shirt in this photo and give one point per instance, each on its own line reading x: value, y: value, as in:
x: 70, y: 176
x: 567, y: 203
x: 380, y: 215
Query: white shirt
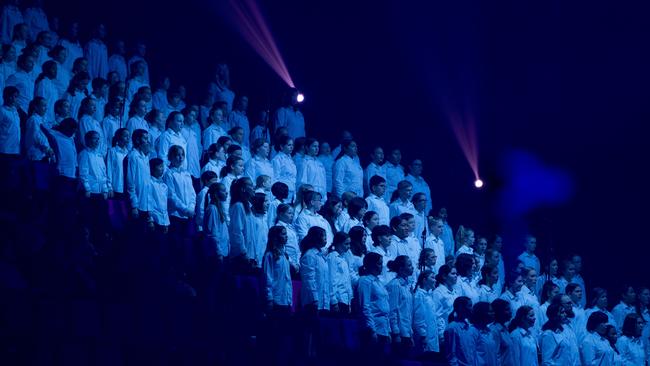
x: 559, y: 348
x: 239, y: 119
x: 213, y: 166
x: 292, y: 119
x: 400, y: 299
x: 63, y: 77
x: 138, y: 179
x: 348, y: 176
x: 35, y: 141
x: 168, y: 139
x: 377, y: 204
x: 444, y: 298
x: 115, y: 167
x: 199, y: 211
x: 340, y: 279
x: 9, y: 130
x: 216, y: 232
x: 312, y: 171
x: 291, y: 247
x: 328, y: 164
x: 132, y: 86
x: 110, y: 124
x: 24, y: 82
x: 36, y: 20
x: 92, y: 172
x: 631, y: 351
x: 595, y: 350
x: 258, y: 166
x: 487, y: 293
x: 117, y: 63
x: 240, y: 231
x: 284, y: 170
x: 227, y: 182
x: 75, y: 101
x: 182, y: 195
x: 211, y: 134
x: 461, y: 344
x: 259, y: 238
x: 371, y: 170
x: 373, y: 300
x: 260, y: 132
x: 159, y: 195
x: 316, y: 283
x: 466, y: 287
x: 399, y: 207
x: 74, y: 52
x: 307, y: 219
x: 277, y: 279
x: 530, y: 261
x: 388, y: 254
x: 421, y: 186
x: 394, y: 175
x: 193, y: 152
x: 9, y: 17
x: 438, y: 247
x: 516, y: 301
x: 47, y: 89
x: 86, y: 124
x: 425, y: 321
x: 524, y: 347
x: 137, y: 123
x: 66, y: 154
x: 408, y: 247
x: 222, y: 94
x: 136, y: 58
x: 619, y: 312
x: 97, y: 55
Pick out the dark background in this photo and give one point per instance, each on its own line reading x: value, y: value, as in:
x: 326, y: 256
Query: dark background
x: 558, y: 91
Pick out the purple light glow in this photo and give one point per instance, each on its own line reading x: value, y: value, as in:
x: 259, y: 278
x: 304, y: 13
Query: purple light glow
x: 465, y: 131
x: 252, y: 26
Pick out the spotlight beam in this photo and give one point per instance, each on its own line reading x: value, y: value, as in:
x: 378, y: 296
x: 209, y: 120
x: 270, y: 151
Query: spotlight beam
x: 252, y: 26
x: 465, y: 131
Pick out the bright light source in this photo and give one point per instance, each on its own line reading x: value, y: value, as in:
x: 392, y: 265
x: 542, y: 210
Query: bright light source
x: 478, y: 183
x: 300, y: 98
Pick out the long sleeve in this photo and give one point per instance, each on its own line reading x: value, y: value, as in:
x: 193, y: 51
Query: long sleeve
x: 393, y: 300
x: 267, y: 270
x: 339, y: 177
x: 84, y: 170
x: 452, y: 344
x: 308, y: 276
x: 419, y: 315
x: 238, y: 219
x: 365, y: 302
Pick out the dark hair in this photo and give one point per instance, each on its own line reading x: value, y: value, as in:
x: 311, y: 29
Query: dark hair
x: 595, y: 319
x: 570, y: 288
x: 153, y: 163
x: 398, y: 263
x: 9, y: 91
x: 327, y: 211
x: 401, y: 185
x: 460, y: 312
x: 83, y: 108
x: 137, y: 136
x: 629, y: 325
x: 273, y: 244
x: 174, y: 150
x: 229, y: 163
x: 282, y: 208
x: 170, y: 118
x: 151, y: 115
x: 98, y: 83
x: 379, y: 230
x: 423, y: 256
x: 117, y: 134
x: 355, y: 206
x: 422, y: 277
x: 339, y: 237
x: 443, y: 272
x: 46, y: 66
x: 239, y: 193
x: 367, y: 216
x: 232, y: 148
x: 257, y: 202
x: 486, y: 270
x: 464, y: 264
x: 369, y: 260
x: 502, y: 311
x: 282, y: 140
x: 207, y: 176
x: 375, y: 180
x: 396, y: 221
x: 280, y: 190
x: 33, y: 104
x: 313, y: 239
x: 594, y: 295
x: 89, y: 135
x: 344, y: 145
x: 548, y: 286
x: 67, y: 126
x: 357, y: 246
x: 214, y: 188
x: 552, y: 312
x: 521, y: 314
x: 481, y: 314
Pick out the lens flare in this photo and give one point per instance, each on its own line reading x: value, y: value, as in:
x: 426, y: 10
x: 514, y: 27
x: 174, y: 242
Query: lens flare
x: 248, y: 20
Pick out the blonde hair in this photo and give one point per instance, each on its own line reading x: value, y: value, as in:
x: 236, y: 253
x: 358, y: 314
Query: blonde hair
x: 462, y: 235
